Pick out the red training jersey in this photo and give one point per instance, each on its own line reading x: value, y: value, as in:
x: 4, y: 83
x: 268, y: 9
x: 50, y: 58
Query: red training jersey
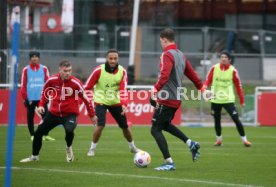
x: 166, y: 66
x: 236, y: 80
x: 64, y: 96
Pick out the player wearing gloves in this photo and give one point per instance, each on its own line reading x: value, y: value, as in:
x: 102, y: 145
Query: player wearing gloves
x: 173, y: 66
x: 109, y: 82
x: 64, y: 91
x: 223, y: 77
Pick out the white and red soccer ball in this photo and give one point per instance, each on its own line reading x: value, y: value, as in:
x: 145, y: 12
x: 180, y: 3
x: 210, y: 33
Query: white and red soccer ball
x: 142, y: 159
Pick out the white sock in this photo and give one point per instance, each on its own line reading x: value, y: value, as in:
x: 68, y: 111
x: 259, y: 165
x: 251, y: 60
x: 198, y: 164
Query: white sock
x: 188, y: 142
x: 35, y: 157
x: 131, y: 144
x: 169, y: 160
x: 219, y: 138
x: 244, y: 139
x: 93, y: 145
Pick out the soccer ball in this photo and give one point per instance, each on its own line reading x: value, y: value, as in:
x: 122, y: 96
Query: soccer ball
x: 142, y: 159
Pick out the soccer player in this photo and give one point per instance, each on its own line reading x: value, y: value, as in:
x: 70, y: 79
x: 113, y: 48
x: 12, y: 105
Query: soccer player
x: 63, y: 90
x: 173, y: 66
x: 34, y: 76
x: 109, y: 82
x: 222, y: 77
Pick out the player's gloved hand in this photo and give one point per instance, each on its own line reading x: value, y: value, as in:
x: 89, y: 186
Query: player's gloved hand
x: 153, y: 97
x: 26, y: 102
x: 152, y: 102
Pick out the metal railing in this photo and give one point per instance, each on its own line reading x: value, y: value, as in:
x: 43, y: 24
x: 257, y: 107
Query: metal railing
x: 82, y: 47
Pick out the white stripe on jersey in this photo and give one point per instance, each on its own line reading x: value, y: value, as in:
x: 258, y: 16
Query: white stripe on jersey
x: 82, y: 90
x: 51, y: 78
x: 23, y: 74
x: 162, y: 61
x: 125, y: 78
x: 47, y: 70
x: 79, y: 85
x: 90, y: 77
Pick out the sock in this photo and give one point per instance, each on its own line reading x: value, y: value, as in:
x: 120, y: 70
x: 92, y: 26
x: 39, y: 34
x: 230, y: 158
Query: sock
x: 35, y: 157
x: 93, y: 145
x: 219, y: 138
x: 131, y: 144
x: 244, y: 139
x: 169, y: 160
x: 188, y: 142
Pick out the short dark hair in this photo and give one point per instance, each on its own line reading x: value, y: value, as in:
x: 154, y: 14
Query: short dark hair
x: 112, y: 51
x: 226, y: 53
x: 34, y: 53
x: 167, y: 33
x: 64, y: 63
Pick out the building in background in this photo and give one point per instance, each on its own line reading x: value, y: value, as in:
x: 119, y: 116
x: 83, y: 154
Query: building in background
x: 98, y: 23
x: 204, y: 27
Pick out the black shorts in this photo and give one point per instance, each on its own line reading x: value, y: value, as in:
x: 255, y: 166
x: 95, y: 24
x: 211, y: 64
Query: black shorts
x: 163, y: 115
x: 115, y: 111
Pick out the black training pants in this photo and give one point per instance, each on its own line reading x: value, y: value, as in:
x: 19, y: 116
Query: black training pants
x: 162, y: 117
x: 50, y: 121
x: 231, y: 110
x: 30, y: 115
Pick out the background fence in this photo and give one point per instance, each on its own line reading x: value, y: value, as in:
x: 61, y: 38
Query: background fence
x: 254, y: 53
x: 253, y: 50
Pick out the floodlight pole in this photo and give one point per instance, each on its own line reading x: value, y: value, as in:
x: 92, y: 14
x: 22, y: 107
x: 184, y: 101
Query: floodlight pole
x: 135, y: 18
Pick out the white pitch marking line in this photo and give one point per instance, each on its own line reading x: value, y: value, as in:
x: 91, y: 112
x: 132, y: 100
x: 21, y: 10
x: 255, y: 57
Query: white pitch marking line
x: 133, y: 176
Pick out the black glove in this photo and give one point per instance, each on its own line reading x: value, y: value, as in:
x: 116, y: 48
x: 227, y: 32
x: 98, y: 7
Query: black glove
x: 152, y: 102
x: 26, y: 102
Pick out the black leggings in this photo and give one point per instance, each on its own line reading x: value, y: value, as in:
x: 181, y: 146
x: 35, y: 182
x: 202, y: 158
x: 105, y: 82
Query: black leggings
x: 231, y: 109
x: 30, y: 115
x: 50, y: 121
x: 161, y: 120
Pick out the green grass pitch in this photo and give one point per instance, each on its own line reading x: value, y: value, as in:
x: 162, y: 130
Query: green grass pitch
x: 229, y: 165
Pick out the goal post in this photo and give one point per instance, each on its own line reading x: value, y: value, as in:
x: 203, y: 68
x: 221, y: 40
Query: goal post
x: 265, y: 99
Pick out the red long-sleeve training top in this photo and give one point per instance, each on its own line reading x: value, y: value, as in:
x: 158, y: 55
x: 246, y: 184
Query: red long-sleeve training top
x: 64, y: 96
x: 166, y: 65
x: 236, y: 80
